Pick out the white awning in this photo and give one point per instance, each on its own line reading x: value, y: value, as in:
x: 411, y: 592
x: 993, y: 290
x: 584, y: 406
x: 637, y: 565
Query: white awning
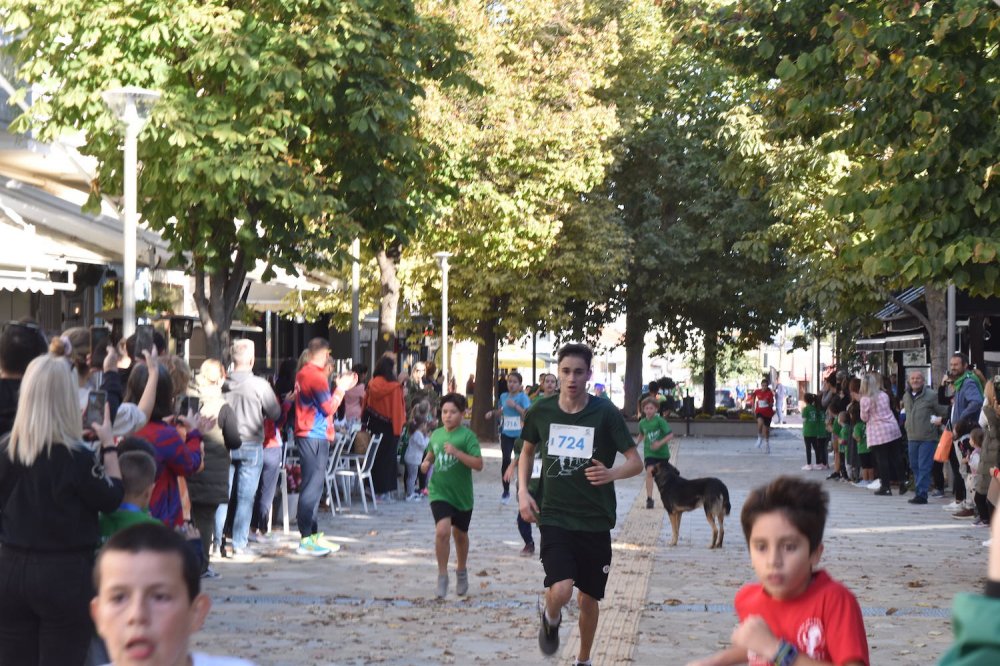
x: 892, y: 342
x: 30, y: 261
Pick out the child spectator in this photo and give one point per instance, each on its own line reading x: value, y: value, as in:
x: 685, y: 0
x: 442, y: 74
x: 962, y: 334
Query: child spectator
x: 971, y: 467
x: 794, y: 610
x: 843, y: 431
x: 138, y: 475
x: 454, y: 452
x: 149, y: 600
x: 813, y: 433
x: 655, y: 433
x: 415, y: 448
x: 864, y: 455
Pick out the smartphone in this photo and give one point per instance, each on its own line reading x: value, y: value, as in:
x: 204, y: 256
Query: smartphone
x: 188, y: 404
x: 96, y: 400
x: 143, y: 340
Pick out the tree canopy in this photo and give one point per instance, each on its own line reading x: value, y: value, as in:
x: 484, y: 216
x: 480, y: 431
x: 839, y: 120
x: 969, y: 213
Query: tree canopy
x: 283, y: 128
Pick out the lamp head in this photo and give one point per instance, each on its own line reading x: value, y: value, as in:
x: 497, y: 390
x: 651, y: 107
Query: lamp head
x: 131, y: 104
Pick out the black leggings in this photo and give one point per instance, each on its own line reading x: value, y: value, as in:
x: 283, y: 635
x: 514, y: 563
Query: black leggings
x: 887, y: 461
x: 957, y: 482
x: 817, y: 445
x: 507, y: 448
x: 821, y: 446
x: 984, y: 507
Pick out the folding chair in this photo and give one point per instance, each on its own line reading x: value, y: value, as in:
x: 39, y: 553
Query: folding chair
x: 333, y: 463
x: 361, y: 469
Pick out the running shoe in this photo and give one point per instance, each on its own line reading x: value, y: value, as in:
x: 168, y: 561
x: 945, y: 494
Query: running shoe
x: 548, y: 635
x: 210, y: 573
x: 649, y: 502
x: 308, y: 546
x: 442, y: 587
x: 808, y: 468
x: 875, y: 485
x: 528, y: 550
x: 462, y: 582
x: 953, y: 506
x: 505, y: 499
x: 324, y: 543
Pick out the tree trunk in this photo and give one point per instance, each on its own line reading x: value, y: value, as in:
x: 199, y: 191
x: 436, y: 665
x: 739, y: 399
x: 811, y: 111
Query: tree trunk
x: 388, y: 302
x: 936, y: 301
x: 636, y: 327
x: 217, y: 306
x: 711, y: 345
x: 482, y: 401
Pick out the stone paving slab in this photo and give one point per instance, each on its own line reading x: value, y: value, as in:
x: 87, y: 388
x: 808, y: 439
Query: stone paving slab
x: 372, y: 603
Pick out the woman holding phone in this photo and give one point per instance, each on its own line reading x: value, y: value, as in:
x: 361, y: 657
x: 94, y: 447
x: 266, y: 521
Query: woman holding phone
x: 52, y: 486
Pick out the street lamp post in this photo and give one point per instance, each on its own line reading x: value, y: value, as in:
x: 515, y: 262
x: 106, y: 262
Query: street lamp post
x: 131, y: 106
x: 442, y: 258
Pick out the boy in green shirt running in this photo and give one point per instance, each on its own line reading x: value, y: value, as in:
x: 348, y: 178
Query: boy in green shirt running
x: 578, y: 437
x: 454, y: 452
x: 655, y: 433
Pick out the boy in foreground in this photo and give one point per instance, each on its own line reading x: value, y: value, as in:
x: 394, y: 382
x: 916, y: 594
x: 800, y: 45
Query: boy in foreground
x: 579, y: 437
x: 148, y: 599
x: 793, y: 615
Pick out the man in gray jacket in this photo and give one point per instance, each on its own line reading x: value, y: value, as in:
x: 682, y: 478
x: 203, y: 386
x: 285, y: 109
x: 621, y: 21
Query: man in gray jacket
x: 252, y: 400
x: 922, y: 411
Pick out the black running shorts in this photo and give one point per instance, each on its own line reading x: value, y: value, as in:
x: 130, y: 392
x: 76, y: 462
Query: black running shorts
x: 583, y: 557
x: 459, y: 519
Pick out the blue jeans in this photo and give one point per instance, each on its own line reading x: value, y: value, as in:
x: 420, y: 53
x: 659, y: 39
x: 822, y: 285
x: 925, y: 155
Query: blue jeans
x: 247, y: 463
x: 265, y: 492
x: 313, y: 456
x: 921, y: 461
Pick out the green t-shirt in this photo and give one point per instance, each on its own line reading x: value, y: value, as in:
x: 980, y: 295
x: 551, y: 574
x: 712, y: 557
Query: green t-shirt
x: 860, y: 438
x: 452, y: 481
x: 842, y: 430
x: 110, y: 523
x: 813, y: 424
x: 652, y: 430
x: 569, y: 500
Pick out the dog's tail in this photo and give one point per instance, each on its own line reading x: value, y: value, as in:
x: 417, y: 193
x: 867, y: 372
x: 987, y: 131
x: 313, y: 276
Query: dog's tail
x: 725, y: 499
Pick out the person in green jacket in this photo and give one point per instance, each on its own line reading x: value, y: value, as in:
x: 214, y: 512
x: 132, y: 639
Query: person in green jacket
x: 976, y: 619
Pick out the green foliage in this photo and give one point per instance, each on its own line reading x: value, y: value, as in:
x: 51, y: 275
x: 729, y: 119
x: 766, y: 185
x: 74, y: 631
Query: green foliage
x: 907, y: 93
x: 284, y: 127
x: 523, y: 153
x: 688, y: 271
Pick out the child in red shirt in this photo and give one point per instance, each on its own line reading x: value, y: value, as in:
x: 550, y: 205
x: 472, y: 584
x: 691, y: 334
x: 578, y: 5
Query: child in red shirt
x: 793, y: 615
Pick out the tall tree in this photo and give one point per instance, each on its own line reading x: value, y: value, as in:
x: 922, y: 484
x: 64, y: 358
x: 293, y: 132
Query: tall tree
x: 688, y: 278
x: 524, y: 155
x: 907, y: 92
x: 283, y: 128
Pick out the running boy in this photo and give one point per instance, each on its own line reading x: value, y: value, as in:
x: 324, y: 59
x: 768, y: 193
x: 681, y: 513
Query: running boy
x: 149, y: 600
x: 794, y: 614
x: 454, y: 452
x: 511, y: 407
x: 579, y: 436
x: 655, y: 433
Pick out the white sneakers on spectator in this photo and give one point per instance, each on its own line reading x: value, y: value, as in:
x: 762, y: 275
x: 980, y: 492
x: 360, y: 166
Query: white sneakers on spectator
x: 988, y: 543
x: 875, y: 485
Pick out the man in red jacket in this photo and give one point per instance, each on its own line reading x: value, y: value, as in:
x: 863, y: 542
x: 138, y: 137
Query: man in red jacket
x: 315, y: 406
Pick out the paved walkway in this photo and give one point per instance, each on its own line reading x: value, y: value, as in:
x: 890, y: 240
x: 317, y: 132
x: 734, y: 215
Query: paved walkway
x: 373, y: 601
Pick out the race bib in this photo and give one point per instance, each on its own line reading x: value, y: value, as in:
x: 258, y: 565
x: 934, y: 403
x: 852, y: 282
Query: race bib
x: 763, y: 404
x: 511, y: 423
x: 536, y: 469
x: 567, y: 441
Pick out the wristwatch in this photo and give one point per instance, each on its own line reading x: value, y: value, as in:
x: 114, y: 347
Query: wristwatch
x: 107, y: 449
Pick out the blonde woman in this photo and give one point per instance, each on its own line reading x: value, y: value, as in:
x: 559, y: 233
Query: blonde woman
x: 52, y: 486
x: 883, y: 433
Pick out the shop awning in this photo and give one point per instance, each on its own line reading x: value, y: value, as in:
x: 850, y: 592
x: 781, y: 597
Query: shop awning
x: 909, y: 340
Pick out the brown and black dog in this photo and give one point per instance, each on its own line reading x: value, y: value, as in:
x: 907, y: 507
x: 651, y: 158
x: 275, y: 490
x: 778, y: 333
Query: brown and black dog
x: 680, y: 495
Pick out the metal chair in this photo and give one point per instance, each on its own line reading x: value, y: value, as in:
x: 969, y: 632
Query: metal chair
x: 361, y: 469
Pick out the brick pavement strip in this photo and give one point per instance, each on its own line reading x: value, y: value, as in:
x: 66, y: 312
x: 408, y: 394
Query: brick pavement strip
x: 634, y: 548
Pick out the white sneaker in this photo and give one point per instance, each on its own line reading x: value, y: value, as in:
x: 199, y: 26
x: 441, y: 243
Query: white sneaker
x: 953, y: 506
x: 505, y: 499
x: 988, y: 542
x: 807, y: 467
x: 874, y: 485
x: 860, y: 484
x: 413, y: 497
x: 760, y: 441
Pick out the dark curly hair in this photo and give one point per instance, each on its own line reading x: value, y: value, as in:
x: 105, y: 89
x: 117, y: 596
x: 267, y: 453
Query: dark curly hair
x: 804, y: 503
